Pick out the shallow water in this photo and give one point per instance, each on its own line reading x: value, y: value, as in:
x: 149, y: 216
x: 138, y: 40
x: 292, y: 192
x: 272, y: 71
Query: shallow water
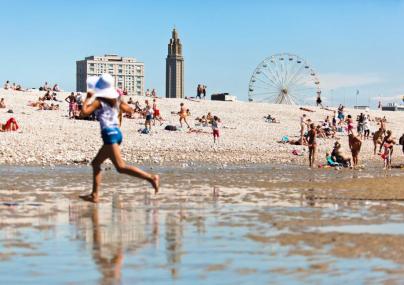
x: 207, y: 226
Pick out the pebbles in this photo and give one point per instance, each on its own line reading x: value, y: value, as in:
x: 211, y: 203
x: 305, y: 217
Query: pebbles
x: 50, y: 138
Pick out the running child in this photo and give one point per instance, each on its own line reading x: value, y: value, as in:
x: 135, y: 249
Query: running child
x: 106, y: 105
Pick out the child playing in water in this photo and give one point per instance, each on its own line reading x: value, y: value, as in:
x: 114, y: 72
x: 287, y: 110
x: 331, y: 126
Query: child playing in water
x: 106, y: 106
x: 215, y: 128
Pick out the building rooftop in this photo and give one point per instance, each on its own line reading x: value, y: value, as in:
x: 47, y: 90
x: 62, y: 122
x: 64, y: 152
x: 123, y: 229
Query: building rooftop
x: 111, y: 58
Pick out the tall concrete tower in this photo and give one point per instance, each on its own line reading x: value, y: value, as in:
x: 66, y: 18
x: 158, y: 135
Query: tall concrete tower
x: 174, y: 68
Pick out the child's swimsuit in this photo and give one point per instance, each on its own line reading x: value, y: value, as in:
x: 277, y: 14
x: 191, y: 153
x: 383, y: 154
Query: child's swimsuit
x: 109, y: 123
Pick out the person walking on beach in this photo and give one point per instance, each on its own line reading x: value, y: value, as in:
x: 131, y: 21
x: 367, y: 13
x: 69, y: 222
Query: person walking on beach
x: 183, y: 113
x: 204, y: 91
x: 312, y: 143
x: 156, y: 113
x: 355, y: 145
x: 107, y: 105
x: 215, y: 128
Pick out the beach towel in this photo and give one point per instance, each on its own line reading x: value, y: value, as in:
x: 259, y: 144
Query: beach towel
x: 331, y: 162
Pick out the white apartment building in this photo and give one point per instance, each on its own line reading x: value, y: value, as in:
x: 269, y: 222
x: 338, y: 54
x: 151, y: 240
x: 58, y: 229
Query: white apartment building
x: 127, y: 72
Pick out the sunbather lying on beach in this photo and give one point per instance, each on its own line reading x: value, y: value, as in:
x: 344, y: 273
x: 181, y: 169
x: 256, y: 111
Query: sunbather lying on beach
x: 305, y: 109
x: 49, y: 96
x: 202, y: 120
x: 47, y: 107
x: 271, y: 119
x: 9, y: 126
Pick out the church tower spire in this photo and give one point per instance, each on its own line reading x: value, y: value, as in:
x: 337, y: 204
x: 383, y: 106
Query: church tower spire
x: 174, y: 68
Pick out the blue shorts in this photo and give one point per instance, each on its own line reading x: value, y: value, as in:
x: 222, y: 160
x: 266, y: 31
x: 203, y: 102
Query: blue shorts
x: 111, y: 135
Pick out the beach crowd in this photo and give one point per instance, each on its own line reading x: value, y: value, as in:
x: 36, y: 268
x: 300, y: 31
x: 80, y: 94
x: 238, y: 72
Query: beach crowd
x: 335, y: 126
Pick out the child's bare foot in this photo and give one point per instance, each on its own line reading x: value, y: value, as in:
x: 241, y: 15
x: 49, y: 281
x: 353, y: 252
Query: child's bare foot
x: 156, y: 183
x: 90, y: 198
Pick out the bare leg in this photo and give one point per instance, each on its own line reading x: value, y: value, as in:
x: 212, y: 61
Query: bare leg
x: 101, y: 156
x: 185, y: 120
x: 310, y: 157
x: 313, y: 156
x: 301, y: 134
x: 121, y: 167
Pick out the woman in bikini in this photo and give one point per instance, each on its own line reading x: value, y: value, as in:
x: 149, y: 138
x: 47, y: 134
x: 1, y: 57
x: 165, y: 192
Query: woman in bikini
x: 106, y: 106
x: 388, y: 144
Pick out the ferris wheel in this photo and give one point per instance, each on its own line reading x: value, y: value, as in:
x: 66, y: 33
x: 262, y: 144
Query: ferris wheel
x: 284, y: 79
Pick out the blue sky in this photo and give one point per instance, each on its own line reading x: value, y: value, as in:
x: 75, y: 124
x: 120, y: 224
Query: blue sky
x: 351, y: 44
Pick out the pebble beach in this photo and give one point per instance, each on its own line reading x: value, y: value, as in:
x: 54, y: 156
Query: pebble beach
x: 47, y: 138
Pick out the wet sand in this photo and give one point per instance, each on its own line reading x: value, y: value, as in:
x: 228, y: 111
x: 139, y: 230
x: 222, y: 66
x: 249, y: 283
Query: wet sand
x: 271, y: 224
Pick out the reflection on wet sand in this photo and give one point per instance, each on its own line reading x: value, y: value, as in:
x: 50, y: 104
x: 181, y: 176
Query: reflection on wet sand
x: 230, y: 227
x: 112, y: 231
x: 105, y: 244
